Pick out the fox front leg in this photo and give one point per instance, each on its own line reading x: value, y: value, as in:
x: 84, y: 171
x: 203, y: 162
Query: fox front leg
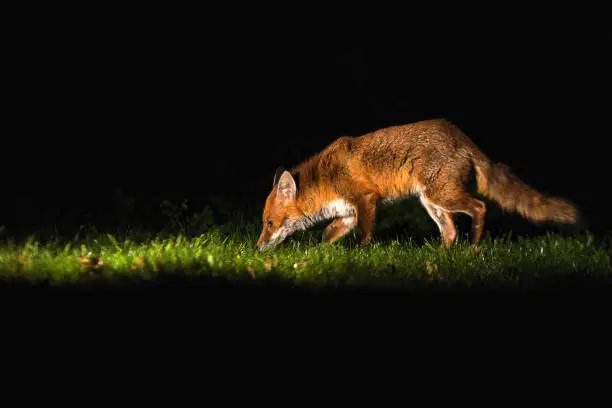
x: 338, y: 228
x: 366, y: 211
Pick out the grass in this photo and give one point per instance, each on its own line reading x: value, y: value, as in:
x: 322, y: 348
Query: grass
x: 519, y: 263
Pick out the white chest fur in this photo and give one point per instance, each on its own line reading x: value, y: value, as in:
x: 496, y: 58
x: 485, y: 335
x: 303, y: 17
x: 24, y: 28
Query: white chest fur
x: 333, y: 209
x: 337, y: 209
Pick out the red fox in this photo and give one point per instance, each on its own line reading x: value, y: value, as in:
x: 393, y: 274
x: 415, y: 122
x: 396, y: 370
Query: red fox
x: 430, y: 159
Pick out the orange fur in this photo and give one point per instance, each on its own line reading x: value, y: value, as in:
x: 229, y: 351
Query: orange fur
x: 432, y: 159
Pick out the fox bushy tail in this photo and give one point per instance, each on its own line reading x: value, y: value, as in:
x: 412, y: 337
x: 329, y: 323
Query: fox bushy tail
x: 496, y: 182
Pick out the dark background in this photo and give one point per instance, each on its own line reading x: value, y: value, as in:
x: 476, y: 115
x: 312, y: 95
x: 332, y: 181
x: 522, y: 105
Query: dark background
x: 109, y: 112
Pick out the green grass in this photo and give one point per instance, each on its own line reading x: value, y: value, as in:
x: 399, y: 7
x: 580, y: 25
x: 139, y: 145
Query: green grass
x: 304, y: 262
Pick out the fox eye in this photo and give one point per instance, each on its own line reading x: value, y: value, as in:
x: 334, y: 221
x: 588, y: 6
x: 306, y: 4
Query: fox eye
x: 269, y: 224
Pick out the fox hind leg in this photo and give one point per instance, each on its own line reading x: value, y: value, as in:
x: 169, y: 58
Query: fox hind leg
x: 453, y: 198
x: 444, y: 221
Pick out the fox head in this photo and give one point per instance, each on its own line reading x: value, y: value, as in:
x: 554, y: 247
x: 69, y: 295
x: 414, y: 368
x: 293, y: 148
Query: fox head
x: 281, y: 215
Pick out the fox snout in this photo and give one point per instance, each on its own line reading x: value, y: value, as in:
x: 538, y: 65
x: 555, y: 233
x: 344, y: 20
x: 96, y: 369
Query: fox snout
x: 260, y: 243
x: 263, y: 242
x: 269, y: 240
x: 263, y: 245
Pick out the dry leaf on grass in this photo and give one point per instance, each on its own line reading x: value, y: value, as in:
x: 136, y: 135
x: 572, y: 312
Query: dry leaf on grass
x: 269, y: 263
x: 139, y: 263
x: 93, y: 262
x: 432, y: 268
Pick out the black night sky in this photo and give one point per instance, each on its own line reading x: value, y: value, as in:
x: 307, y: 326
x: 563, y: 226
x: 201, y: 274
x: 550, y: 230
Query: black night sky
x: 195, y: 105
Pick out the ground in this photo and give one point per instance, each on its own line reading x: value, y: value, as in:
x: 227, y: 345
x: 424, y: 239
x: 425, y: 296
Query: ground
x: 305, y: 263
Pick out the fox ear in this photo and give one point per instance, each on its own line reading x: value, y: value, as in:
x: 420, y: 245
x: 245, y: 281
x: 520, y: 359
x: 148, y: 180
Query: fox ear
x: 287, y: 189
x: 277, y: 174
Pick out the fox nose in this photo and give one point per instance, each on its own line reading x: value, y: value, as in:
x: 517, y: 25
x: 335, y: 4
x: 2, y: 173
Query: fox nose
x: 261, y: 245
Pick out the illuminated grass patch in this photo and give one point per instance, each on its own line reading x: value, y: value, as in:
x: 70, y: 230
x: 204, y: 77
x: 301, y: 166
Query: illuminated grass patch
x: 305, y: 262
